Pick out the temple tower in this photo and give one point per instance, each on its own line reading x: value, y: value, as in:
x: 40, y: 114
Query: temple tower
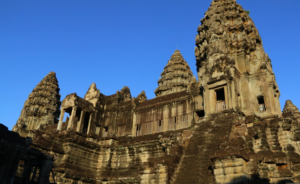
x: 232, y: 66
x: 42, y: 106
x: 175, y: 77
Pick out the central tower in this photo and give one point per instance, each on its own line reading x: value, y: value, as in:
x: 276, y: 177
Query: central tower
x: 231, y: 63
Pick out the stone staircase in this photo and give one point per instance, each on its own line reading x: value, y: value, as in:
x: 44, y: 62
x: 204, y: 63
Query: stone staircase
x: 195, y: 164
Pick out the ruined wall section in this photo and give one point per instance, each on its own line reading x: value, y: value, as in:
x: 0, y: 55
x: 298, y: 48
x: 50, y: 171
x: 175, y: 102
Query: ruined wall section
x: 116, y: 118
x: 83, y: 159
x: 175, y: 77
x: 260, y: 150
x: 42, y: 106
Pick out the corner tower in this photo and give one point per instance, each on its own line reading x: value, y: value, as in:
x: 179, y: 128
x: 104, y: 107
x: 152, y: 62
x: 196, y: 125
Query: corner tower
x: 175, y: 77
x: 42, y: 106
x: 232, y: 65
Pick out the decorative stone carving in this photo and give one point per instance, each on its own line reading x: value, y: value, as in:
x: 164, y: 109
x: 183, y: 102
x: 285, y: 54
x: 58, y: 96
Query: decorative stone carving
x: 124, y: 94
x: 41, y: 107
x: 93, y: 94
x: 142, y: 97
x: 175, y: 77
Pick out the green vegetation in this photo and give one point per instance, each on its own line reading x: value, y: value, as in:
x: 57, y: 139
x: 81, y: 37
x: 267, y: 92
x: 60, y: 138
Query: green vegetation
x: 248, y: 11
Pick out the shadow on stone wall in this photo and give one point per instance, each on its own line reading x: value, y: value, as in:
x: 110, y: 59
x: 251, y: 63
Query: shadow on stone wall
x: 255, y: 179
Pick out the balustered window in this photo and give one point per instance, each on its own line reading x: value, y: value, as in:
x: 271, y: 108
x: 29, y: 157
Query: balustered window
x: 261, y: 103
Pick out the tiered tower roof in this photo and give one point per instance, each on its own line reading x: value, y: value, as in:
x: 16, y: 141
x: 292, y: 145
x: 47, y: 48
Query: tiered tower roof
x: 175, y: 77
x: 42, y: 105
x: 289, y: 107
x: 226, y: 37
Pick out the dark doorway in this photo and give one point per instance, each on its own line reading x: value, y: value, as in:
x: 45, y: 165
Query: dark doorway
x: 200, y: 114
x: 86, y: 123
x: 220, y: 99
x: 220, y: 94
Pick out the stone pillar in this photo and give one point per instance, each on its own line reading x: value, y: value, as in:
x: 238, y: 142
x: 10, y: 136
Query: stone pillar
x: 81, y: 121
x: 9, y: 168
x: 61, y: 118
x: 133, y: 130
x: 26, y: 173
x: 206, y: 102
x: 272, y: 98
x: 90, y: 122
x: 229, y: 95
x: 72, y: 117
x: 233, y: 94
x: 45, y: 171
x: 245, y: 94
x: 226, y: 96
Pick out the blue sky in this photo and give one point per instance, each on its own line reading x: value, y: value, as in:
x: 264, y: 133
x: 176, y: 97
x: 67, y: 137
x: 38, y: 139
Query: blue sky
x: 123, y: 42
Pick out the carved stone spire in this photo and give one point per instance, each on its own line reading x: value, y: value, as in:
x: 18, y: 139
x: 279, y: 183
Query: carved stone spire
x: 289, y: 107
x: 175, y: 77
x: 228, y: 37
x: 229, y: 48
x: 42, y: 105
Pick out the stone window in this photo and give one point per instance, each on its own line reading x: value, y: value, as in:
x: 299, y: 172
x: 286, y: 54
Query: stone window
x: 220, y: 99
x: 261, y: 103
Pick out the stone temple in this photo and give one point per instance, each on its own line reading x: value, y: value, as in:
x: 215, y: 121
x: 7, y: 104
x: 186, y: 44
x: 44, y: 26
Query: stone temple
x: 225, y: 127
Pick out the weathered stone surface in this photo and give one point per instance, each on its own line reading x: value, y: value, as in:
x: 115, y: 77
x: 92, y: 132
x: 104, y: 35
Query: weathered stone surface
x: 230, y: 55
x: 226, y: 128
x: 42, y: 106
x: 175, y: 77
x: 142, y: 97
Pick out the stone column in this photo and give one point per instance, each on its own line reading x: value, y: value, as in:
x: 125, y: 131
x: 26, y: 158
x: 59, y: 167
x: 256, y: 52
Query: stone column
x: 89, y: 126
x: 61, y: 118
x: 72, y: 117
x: 45, y: 171
x: 9, y: 169
x: 206, y: 101
x: 81, y: 121
x: 233, y: 94
x: 272, y: 98
x: 26, y: 172
x: 245, y: 94
x: 226, y: 96
x: 229, y: 95
x: 133, y: 130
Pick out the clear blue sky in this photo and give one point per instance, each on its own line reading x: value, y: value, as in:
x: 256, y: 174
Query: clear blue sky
x: 123, y: 42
